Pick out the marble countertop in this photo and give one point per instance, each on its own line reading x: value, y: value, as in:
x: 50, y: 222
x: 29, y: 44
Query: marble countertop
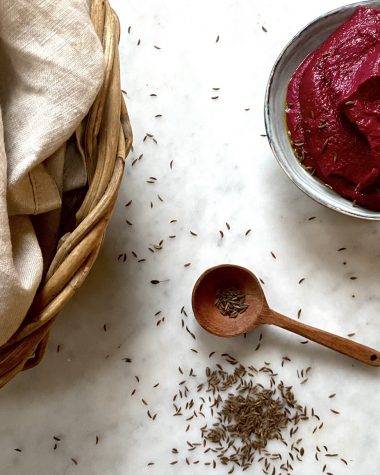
x: 75, y: 413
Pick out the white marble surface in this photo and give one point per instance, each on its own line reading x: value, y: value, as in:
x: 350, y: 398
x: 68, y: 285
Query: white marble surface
x: 222, y: 170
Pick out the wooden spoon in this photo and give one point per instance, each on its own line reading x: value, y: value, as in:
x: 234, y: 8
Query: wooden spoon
x: 259, y: 313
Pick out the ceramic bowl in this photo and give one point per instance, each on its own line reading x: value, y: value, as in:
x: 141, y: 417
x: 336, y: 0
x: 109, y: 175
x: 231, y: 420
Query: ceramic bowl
x: 306, y: 41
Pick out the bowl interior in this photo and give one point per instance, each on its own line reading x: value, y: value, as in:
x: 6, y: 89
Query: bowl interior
x: 306, y: 41
x: 205, y: 292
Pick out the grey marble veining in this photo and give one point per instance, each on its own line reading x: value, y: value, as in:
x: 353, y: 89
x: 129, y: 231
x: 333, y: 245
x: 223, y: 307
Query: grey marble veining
x: 222, y: 171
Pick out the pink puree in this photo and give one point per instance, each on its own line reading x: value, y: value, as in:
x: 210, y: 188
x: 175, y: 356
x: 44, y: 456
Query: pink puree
x: 333, y: 110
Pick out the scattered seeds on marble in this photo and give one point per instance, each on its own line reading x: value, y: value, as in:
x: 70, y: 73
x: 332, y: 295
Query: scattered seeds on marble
x: 129, y: 203
x: 215, y: 97
x: 273, y: 255
x: 139, y: 42
x: 217, y: 39
x: 233, y: 400
x: 264, y: 29
x: 299, y: 313
x: 187, y: 265
x: 221, y: 234
x: 129, y: 29
x: 285, y: 358
x: 301, y: 280
x: 190, y: 333
x: 248, y: 231
x: 96, y: 440
x: 17, y: 450
x: 158, y: 246
x: 183, y: 311
x: 75, y: 462
x: 228, y: 226
x: 193, y: 233
x: 351, y: 335
x: 160, y: 198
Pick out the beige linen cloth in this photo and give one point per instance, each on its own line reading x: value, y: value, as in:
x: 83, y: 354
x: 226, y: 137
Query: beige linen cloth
x: 51, y: 68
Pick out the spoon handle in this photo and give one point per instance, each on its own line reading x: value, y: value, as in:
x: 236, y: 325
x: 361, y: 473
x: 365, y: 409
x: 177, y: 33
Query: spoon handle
x: 337, y: 343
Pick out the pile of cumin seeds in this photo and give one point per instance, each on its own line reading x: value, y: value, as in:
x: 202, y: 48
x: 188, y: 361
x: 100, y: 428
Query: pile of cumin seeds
x: 230, y: 302
x: 249, y: 416
x: 244, y: 417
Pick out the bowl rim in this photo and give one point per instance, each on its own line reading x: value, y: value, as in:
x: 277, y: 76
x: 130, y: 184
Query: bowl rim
x: 355, y: 212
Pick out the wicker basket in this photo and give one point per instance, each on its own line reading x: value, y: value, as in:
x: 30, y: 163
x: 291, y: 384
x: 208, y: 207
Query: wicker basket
x: 105, y: 138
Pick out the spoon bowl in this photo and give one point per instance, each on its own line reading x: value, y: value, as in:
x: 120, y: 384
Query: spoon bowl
x: 258, y: 312
x: 222, y: 277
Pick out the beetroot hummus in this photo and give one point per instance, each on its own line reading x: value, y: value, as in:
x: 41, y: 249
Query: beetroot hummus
x: 333, y: 110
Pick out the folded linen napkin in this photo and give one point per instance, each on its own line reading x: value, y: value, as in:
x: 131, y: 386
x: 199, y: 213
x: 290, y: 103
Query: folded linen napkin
x: 51, y: 68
